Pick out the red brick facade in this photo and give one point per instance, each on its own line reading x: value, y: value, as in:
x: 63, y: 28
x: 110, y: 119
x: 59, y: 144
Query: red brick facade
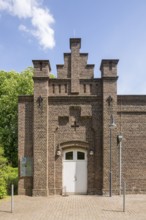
x: 46, y: 124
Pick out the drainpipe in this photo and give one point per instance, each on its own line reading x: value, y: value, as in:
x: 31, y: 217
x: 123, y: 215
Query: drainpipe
x: 120, y: 137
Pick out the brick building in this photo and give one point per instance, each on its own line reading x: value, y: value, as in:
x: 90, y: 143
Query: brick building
x: 66, y: 144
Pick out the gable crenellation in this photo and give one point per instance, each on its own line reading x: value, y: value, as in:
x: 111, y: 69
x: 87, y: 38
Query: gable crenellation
x: 62, y: 87
x: 108, y: 67
x: 75, y: 63
x: 42, y: 68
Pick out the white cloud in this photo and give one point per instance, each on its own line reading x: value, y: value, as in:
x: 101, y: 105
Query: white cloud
x: 23, y: 28
x: 5, y: 5
x: 19, y: 8
x: 41, y: 19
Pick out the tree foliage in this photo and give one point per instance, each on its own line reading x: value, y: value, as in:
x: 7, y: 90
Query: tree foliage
x: 3, y: 185
x: 12, y: 84
x: 8, y: 176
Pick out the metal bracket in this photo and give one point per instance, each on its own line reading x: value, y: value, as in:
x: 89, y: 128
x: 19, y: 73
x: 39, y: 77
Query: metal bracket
x: 39, y: 101
x: 109, y: 100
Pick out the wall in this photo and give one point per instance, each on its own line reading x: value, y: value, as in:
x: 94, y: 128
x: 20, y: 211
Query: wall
x: 132, y: 125
x: 25, y: 140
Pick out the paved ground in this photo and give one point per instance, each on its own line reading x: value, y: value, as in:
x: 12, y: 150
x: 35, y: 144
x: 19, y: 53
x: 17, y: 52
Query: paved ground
x: 74, y: 208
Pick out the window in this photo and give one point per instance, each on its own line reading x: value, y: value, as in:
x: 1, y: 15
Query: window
x: 110, y: 65
x: 80, y: 155
x: 41, y: 66
x: 59, y: 88
x: 84, y: 88
x: 53, y: 86
x: 69, y: 155
x: 90, y: 88
x: 65, y: 88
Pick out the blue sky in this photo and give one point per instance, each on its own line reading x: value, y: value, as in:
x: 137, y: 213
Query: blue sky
x: 40, y: 29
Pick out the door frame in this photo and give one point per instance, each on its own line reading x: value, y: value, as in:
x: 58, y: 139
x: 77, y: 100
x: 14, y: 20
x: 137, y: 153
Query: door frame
x: 75, y: 150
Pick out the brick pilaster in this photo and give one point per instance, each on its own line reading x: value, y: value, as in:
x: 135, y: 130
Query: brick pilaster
x: 75, y: 44
x: 40, y: 142
x: 109, y: 85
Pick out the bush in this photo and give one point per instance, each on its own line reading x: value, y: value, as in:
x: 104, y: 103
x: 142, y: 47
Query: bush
x: 3, y: 186
x: 12, y: 178
x: 8, y: 176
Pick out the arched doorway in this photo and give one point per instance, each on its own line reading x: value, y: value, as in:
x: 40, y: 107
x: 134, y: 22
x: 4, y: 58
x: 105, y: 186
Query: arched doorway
x: 75, y: 171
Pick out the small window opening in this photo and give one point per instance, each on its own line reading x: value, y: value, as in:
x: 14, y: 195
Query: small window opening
x: 53, y: 86
x: 90, y: 88
x: 41, y: 66
x: 65, y: 88
x: 110, y: 66
x: 59, y: 88
x: 84, y: 88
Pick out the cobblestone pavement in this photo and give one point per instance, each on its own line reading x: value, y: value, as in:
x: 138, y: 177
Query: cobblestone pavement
x: 74, y: 208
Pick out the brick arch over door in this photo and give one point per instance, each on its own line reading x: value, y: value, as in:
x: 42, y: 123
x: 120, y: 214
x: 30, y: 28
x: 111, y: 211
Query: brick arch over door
x: 75, y: 144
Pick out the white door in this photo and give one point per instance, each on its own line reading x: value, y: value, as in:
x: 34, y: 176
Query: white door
x: 75, y: 171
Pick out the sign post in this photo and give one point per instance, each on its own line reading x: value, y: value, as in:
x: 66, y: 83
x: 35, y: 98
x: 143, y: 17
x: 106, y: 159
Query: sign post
x: 12, y: 198
x: 124, y: 192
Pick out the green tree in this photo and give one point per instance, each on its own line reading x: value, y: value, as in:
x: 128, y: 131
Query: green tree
x: 3, y: 184
x: 8, y: 176
x: 12, y: 84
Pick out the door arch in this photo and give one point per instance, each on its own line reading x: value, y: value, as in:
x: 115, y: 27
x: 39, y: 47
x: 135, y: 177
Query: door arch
x: 75, y: 171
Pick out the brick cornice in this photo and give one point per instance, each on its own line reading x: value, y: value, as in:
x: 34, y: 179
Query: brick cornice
x: 40, y: 77
x: 75, y: 98
x: 83, y: 54
x: 131, y: 112
x: 58, y: 80
x: 109, y: 78
x: 67, y: 54
x: 131, y: 98
x: 25, y: 98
